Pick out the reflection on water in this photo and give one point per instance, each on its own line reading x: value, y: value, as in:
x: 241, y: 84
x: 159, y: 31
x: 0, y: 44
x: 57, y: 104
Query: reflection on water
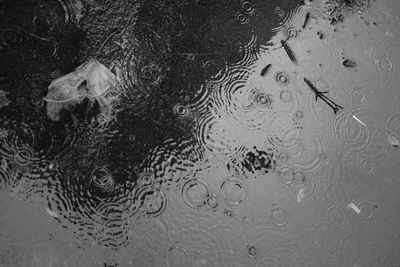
x: 242, y: 133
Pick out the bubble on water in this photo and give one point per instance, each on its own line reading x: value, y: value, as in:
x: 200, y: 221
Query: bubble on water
x: 285, y: 173
x: 248, y: 222
x: 181, y: 111
x: 286, y: 95
x: 229, y: 213
x: 235, y: 192
x: 290, y: 32
x: 12, y: 36
x: 298, y: 115
x: 279, y: 216
x: 352, y: 134
x: 384, y: 64
x: 145, y: 178
x: 151, y: 201
x: 213, y: 202
x: 178, y: 255
x: 247, y: 7
x: 368, y: 209
x: 358, y: 96
x: 368, y: 165
x: 280, y: 12
x: 242, y: 18
x: 336, y: 216
x: 299, y: 177
x: 261, y: 100
x: 282, y: 78
x: 216, y: 70
x: 286, y: 133
x: 252, y: 250
x: 195, y: 194
x: 102, y: 179
x: 282, y: 156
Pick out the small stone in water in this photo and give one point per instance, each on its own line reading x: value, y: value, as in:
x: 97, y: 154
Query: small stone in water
x: 349, y: 64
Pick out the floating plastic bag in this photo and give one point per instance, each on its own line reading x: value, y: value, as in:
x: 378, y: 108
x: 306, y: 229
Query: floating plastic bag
x: 4, y: 101
x: 90, y: 80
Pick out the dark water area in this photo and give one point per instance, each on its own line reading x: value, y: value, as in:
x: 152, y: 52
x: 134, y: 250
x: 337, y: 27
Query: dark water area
x: 238, y: 133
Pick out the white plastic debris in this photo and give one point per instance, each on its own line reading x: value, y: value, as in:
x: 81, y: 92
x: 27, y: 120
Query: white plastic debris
x: 357, y: 119
x: 353, y: 206
x: 51, y: 213
x: 393, y: 140
x: 300, y: 195
x: 4, y: 101
x: 90, y: 80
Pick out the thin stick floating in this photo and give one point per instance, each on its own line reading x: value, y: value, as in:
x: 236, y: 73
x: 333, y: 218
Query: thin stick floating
x: 265, y: 70
x: 289, y: 52
x: 321, y: 95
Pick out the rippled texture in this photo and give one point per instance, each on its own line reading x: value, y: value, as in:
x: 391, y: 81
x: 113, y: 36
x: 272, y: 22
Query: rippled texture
x: 216, y: 152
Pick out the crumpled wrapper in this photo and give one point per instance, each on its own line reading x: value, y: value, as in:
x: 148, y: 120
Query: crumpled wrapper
x: 90, y: 80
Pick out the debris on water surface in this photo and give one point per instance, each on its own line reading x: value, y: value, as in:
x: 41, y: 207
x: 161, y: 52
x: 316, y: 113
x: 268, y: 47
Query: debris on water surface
x: 4, y: 101
x: 90, y: 80
x: 357, y: 119
x: 289, y: 52
x: 51, y: 213
x: 352, y: 206
x: 265, y: 70
x: 306, y: 19
x: 393, y: 140
x: 349, y: 63
x: 300, y: 195
x: 336, y: 11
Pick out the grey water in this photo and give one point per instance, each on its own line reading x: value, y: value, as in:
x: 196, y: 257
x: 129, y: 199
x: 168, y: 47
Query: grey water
x: 239, y: 133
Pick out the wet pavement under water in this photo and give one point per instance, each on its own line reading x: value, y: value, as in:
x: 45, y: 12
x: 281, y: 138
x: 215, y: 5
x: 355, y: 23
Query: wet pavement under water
x: 241, y: 133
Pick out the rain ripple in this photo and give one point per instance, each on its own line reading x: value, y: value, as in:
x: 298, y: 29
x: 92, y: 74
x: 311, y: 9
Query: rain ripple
x: 355, y: 129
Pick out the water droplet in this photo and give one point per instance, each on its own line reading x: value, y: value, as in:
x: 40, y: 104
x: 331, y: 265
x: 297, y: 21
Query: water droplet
x: 212, y: 202
x: 291, y: 32
x: 145, y: 179
x: 181, y: 111
x: 261, y: 100
x: 280, y: 12
x: 252, y: 250
x: 279, y: 216
x: 195, y: 194
x: 229, y: 213
x: 282, y: 78
x: 235, y: 192
x: 384, y: 64
x: 151, y: 201
x: 248, y: 222
x: 102, y: 178
x: 285, y: 174
x: 247, y: 7
x: 299, y: 177
x: 286, y: 96
x: 298, y: 115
